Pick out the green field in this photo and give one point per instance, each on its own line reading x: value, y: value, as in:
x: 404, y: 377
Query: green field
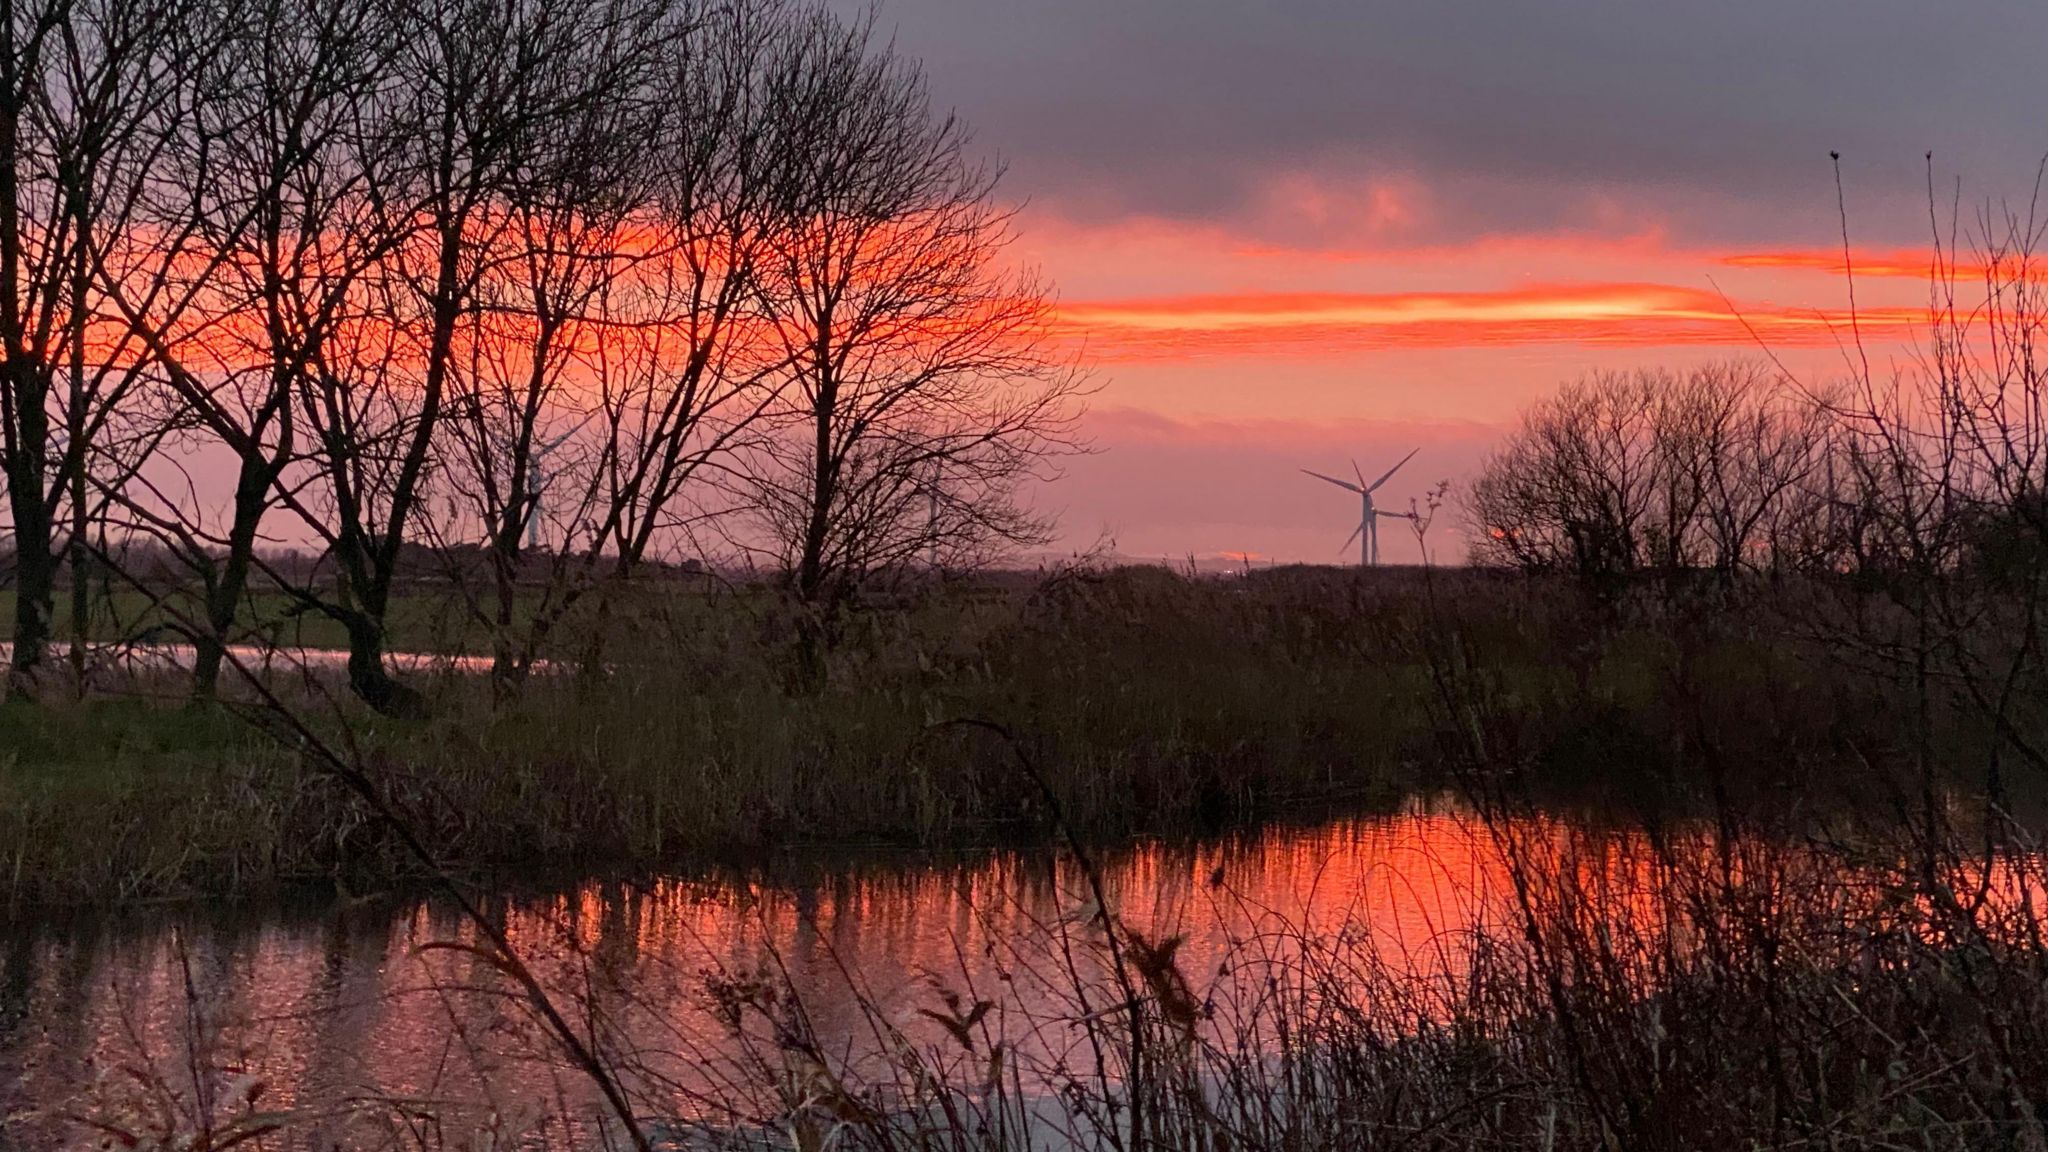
x: 1150, y: 703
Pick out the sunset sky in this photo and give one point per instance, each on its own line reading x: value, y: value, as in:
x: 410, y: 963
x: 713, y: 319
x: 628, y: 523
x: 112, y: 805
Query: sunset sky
x: 1298, y: 233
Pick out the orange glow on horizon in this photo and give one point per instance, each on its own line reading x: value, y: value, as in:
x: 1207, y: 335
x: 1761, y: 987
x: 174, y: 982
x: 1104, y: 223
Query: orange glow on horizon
x: 1902, y: 264
x: 1637, y: 314
x: 1907, y: 264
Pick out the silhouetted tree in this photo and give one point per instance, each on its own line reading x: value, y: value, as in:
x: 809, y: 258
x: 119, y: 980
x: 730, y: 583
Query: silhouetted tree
x: 82, y: 82
x: 923, y: 387
x: 266, y: 181
x: 1713, y: 470
x: 490, y: 101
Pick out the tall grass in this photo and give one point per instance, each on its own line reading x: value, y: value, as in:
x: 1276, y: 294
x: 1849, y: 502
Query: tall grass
x: 1161, y: 705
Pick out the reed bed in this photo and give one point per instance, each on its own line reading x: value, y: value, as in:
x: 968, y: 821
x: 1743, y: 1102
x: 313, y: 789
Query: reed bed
x: 696, y: 727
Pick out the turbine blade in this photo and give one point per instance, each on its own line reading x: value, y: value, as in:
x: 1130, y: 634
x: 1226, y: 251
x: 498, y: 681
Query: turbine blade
x: 1347, y: 485
x: 558, y: 441
x: 1357, y: 473
x: 1390, y: 472
x: 1346, y: 546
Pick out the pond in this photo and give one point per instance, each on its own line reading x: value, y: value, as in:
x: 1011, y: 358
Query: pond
x: 719, y: 999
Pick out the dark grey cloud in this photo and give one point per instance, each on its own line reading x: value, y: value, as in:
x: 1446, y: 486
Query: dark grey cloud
x: 1522, y: 113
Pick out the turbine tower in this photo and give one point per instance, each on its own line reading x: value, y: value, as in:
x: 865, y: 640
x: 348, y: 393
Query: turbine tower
x: 537, y: 465
x: 1368, y: 531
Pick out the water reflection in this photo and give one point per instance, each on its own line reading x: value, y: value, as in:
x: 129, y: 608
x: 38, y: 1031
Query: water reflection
x: 326, y: 1006
x: 137, y: 658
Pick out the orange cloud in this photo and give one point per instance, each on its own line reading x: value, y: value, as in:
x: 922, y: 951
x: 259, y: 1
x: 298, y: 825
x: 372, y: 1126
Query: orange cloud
x: 1902, y: 264
x: 1905, y: 264
x: 1595, y: 314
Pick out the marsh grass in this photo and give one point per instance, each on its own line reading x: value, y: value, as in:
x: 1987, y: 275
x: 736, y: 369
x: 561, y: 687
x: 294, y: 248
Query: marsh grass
x: 695, y: 726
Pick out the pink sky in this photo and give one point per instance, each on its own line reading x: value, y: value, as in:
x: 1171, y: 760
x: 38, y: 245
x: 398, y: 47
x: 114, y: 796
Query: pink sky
x: 1297, y: 234
x: 1298, y: 231
x: 1227, y: 364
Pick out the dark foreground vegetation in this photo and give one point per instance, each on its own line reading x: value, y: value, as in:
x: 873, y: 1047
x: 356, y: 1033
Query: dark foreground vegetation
x: 1156, y: 702
x: 1680, y: 991
x: 1786, y: 920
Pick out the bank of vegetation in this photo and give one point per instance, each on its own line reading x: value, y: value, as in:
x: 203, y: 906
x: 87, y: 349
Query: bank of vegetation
x: 1161, y: 703
x: 1702, y: 981
x: 515, y: 313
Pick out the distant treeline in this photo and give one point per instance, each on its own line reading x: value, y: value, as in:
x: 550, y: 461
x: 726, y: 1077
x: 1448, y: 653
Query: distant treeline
x: 1736, y: 469
x: 1900, y: 521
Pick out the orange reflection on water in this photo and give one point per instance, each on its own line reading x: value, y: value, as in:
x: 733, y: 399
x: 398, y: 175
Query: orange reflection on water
x: 331, y: 1005
x: 326, y: 1004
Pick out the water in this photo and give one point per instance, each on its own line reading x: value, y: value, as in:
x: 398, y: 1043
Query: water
x: 328, y: 1006
x: 136, y: 658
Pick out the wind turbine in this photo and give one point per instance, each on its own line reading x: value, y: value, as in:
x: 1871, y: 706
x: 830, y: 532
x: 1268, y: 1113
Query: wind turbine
x: 538, y: 467
x: 931, y: 523
x: 1368, y: 531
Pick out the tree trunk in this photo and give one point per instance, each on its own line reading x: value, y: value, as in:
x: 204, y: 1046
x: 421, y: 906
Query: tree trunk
x: 225, y: 596
x: 374, y: 569
x: 508, y: 669
x: 209, y: 652
x: 810, y: 569
x: 77, y: 458
x: 81, y: 581
x: 367, y: 676
x: 35, y: 580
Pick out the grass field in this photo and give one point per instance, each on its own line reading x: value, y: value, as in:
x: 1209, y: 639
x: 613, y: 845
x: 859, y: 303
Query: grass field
x: 1149, y: 702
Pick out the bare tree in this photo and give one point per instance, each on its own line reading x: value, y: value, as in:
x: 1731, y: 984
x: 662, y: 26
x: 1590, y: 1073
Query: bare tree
x: 31, y: 292
x: 518, y: 407
x: 266, y: 185
x: 517, y: 462
x: 1710, y: 470
x: 489, y: 98
x: 1773, y: 445
x: 638, y: 347
x: 691, y: 367
x: 1736, y: 449
x: 84, y: 88
x: 1575, y: 485
x: 924, y: 388
x: 1940, y: 517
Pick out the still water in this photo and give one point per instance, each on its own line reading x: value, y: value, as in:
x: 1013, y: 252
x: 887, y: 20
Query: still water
x: 318, y: 1009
